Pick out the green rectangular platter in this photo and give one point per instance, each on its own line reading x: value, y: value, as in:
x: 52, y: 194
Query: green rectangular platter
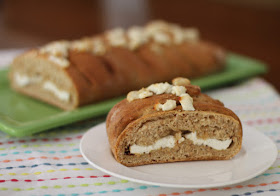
x: 21, y: 115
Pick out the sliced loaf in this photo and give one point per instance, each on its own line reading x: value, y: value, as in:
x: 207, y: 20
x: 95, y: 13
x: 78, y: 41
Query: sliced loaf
x: 169, y: 123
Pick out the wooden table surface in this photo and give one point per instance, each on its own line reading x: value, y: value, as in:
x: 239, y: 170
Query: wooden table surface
x: 247, y: 27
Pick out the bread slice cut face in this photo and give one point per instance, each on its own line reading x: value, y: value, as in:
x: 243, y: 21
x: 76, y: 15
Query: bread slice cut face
x: 139, y: 133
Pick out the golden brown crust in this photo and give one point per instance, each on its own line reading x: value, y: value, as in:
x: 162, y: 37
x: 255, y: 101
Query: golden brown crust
x: 205, y: 57
x: 130, y: 66
x: 119, y: 69
x: 95, y: 71
x: 158, y: 66
x: 85, y: 91
x: 91, y: 66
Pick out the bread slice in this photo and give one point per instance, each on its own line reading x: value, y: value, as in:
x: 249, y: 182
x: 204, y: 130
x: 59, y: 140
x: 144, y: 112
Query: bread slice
x: 139, y: 133
x: 42, y: 79
x: 70, y: 74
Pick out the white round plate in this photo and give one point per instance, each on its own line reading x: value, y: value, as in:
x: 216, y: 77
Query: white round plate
x: 258, y: 153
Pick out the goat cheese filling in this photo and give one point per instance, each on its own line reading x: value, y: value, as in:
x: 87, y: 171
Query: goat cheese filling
x: 170, y: 141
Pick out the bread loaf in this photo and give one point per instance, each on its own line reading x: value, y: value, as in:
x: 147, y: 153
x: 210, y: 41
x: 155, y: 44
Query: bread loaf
x: 69, y: 74
x: 169, y: 123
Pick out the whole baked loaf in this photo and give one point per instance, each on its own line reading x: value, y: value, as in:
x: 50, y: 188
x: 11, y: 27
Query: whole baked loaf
x: 69, y: 74
x: 169, y: 123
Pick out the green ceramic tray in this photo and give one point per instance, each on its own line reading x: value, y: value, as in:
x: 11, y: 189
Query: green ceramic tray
x: 21, y: 115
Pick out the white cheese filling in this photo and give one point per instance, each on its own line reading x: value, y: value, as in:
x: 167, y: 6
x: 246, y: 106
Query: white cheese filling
x: 98, y: 46
x: 178, y: 90
x: 81, y: 45
x: 62, y: 95
x: 57, y: 52
x: 159, y: 31
x: 61, y: 61
x: 57, y: 48
x: 162, y: 38
x: 168, y: 105
x: 191, y: 34
x: 186, y: 102
x: 23, y: 80
x: 170, y: 141
x: 165, y: 142
x: 136, y: 37
x: 141, y: 94
x: 160, y: 88
x: 213, y: 143
x: 117, y: 37
x: 178, y: 35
